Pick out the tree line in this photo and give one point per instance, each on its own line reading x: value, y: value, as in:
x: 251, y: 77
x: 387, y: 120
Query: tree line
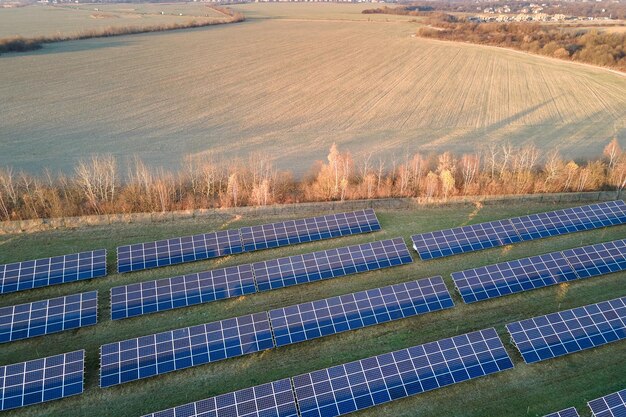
x: 584, y: 45
x: 24, y: 44
x: 97, y: 187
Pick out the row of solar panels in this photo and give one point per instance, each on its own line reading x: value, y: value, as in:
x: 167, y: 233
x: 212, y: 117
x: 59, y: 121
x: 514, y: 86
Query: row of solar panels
x: 147, y: 255
x: 169, y: 293
x: 503, y: 232
x: 78, y: 310
x: 20, y: 276
x: 365, y: 383
x: 612, y: 405
x: 169, y: 351
x: 540, y: 271
x: 337, y: 390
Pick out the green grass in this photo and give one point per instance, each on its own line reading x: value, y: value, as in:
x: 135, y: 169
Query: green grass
x: 527, y: 390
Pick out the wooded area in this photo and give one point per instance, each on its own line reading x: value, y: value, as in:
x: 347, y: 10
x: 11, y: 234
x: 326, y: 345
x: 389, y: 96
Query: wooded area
x: 96, y: 187
x: 591, y: 46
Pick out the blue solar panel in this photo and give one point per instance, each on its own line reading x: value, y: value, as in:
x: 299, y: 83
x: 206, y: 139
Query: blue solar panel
x: 570, y: 220
x: 570, y: 412
x: 160, y: 353
x: 502, y: 232
x: 599, y: 259
x: 377, y: 380
x: 48, y: 316
x: 511, y: 277
x: 274, y: 399
x: 169, y: 293
x: 464, y: 239
x: 178, y: 250
x: 320, y: 318
x: 41, y: 380
x: 26, y: 275
x: 569, y: 331
x: 331, y: 263
x: 612, y: 405
x: 306, y: 230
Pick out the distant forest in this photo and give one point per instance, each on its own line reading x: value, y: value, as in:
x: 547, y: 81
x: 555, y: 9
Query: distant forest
x: 96, y: 187
x: 24, y: 44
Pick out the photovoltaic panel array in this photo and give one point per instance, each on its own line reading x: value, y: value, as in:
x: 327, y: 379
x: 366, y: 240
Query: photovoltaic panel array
x: 160, y: 353
x: 540, y: 271
x: 503, y: 232
x: 569, y: 331
x: 26, y: 275
x: 377, y: 380
x: 569, y: 412
x: 178, y: 250
x: 41, y: 380
x: 598, y: 259
x: 299, y: 269
x: 612, y: 405
x: 48, y: 316
x: 275, y: 399
x: 320, y: 318
x: 306, y: 230
x: 169, y: 293
x: 166, y: 294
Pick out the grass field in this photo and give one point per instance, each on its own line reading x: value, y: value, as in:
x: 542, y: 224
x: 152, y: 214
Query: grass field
x: 290, y: 81
x: 527, y: 390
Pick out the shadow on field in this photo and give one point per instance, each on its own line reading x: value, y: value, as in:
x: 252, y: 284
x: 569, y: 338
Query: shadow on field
x: 70, y: 46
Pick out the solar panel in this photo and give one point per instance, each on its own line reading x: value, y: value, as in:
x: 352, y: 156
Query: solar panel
x: 379, y: 379
x: 464, y: 239
x: 569, y: 331
x: 178, y: 250
x: 612, y: 405
x: 26, y: 275
x: 274, y: 399
x: 512, y: 277
x: 599, y: 259
x: 320, y: 318
x: 570, y: 412
x: 48, y: 316
x: 169, y: 293
x: 306, y: 230
x: 537, y: 226
x: 41, y: 380
x: 160, y: 353
x: 331, y: 263
x: 503, y: 232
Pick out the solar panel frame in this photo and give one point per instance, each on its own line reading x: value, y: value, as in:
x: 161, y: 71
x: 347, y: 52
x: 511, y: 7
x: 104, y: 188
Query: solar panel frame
x: 568, y: 412
x: 611, y: 405
x: 147, y: 255
x: 307, y: 230
x: 379, y: 379
x: 181, y: 291
x: 332, y: 263
x: 165, y: 352
x: 598, y: 259
x: 24, y: 321
x: 306, y: 321
x: 568, y: 331
x: 26, y: 275
x: 274, y: 399
x: 512, y: 277
x: 453, y: 241
x: 41, y: 380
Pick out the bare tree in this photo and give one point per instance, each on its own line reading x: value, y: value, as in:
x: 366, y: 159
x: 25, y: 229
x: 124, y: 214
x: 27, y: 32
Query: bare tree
x: 612, y: 152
